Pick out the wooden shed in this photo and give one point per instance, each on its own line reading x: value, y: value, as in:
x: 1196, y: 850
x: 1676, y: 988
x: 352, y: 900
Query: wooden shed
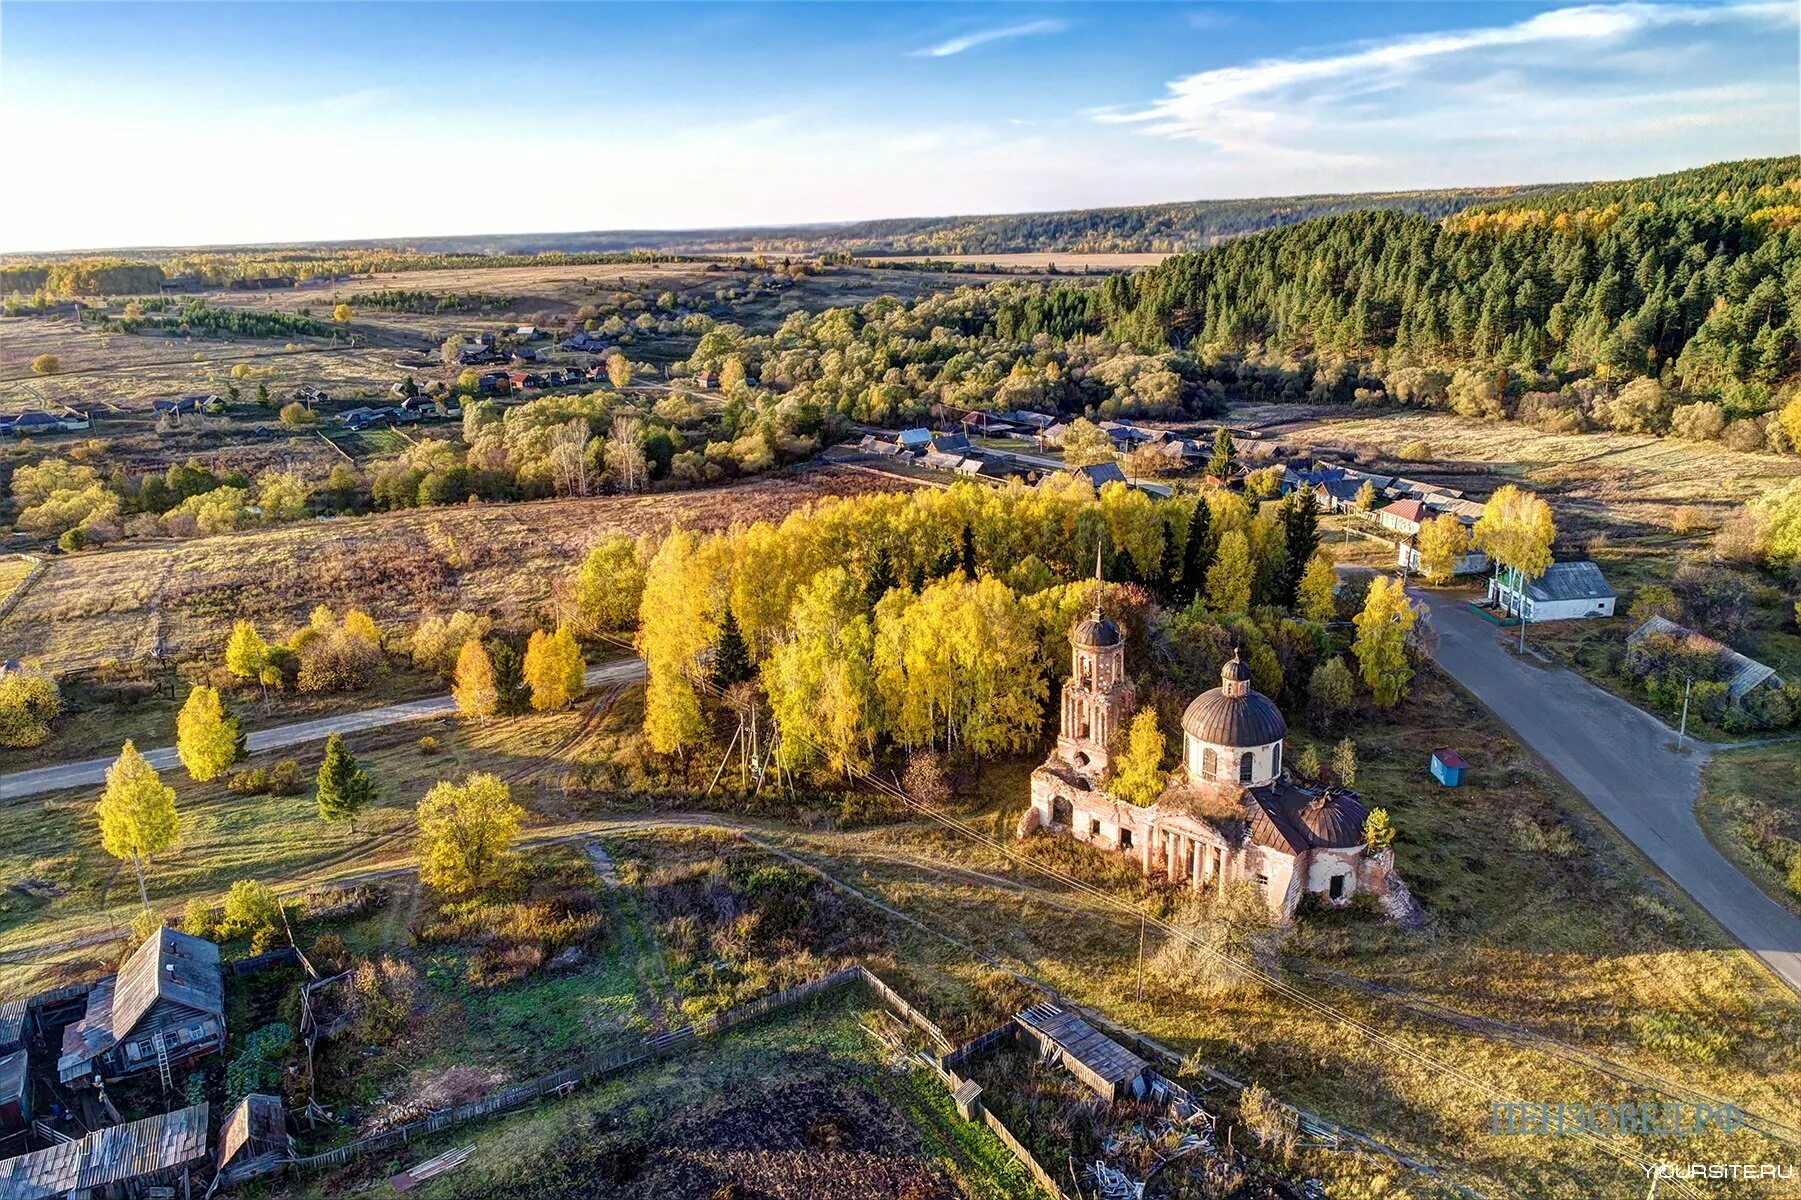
x: 255, y: 1132
x: 1097, y: 1060
x: 159, y: 1151
x: 1448, y: 766
x: 15, y: 1093
x: 12, y: 1024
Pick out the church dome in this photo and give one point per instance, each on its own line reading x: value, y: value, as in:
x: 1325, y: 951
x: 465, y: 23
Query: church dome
x: 1335, y: 820
x: 1232, y: 714
x: 1096, y: 633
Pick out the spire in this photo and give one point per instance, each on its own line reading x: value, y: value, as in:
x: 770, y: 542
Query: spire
x: 1099, y: 586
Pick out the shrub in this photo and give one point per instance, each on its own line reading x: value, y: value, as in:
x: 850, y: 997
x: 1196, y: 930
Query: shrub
x: 248, y: 781
x: 1415, y: 451
x: 383, y: 995
x: 29, y: 701
x: 250, y: 906
x: 199, y: 919
x: 74, y: 539
x: 143, y: 928
x: 329, y: 953
x: 429, y: 745
x: 258, y: 1068
x: 286, y: 778
x: 1794, y: 875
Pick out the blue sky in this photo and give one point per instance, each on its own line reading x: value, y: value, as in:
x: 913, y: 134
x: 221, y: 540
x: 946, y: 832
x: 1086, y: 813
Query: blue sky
x: 181, y: 124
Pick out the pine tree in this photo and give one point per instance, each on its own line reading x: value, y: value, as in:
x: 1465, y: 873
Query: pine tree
x: 345, y: 789
x: 731, y: 658
x: 1344, y: 762
x: 206, y: 736
x: 475, y: 691
x: 137, y: 813
x: 1378, y: 830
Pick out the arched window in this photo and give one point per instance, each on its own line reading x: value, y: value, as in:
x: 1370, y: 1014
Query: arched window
x: 1209, y: 764
x: 1276, y: 769
x: 1247, y: 766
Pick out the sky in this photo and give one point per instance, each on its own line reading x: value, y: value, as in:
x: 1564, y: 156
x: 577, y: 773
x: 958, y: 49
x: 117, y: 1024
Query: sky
x: 183, y: 124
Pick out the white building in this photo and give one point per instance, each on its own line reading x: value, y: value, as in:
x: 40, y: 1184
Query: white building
x: 1407, y: 557
x: 1567, y: 591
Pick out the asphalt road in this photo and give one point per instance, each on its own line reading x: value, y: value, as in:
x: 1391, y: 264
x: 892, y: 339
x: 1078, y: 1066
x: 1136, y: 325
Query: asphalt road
x: 1624, y: 761
x: 93, y: 771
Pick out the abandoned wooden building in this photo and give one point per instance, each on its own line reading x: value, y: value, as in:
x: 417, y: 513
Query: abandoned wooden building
x: 1111, y: 1070
x: 165, y: 1006
x: 254, y: 1140
x: 159, y: 1152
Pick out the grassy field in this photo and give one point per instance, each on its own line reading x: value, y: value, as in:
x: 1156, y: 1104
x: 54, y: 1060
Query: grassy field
x: 804, y: 1104
x: 1751, y: 809
x: 15, y: 569
x: 497, y: 558
x: 1038, y: 260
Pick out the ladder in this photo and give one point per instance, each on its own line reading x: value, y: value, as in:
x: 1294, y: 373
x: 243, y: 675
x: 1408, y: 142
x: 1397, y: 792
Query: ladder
x: 162, y: 1061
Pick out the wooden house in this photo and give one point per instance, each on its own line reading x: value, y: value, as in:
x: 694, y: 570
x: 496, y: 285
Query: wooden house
x: 1097, y: 1060
x: 1403, y: 517
x: 159, y: 1152
x: 166, y: 1005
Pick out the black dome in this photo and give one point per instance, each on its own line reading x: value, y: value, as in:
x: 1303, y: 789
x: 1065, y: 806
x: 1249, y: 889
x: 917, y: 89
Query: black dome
x: 1247, y: 720
x: 1335, y: 820
x: 1095, y: 632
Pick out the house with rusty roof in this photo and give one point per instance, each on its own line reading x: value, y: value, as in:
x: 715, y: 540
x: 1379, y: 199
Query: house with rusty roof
x: 124, y: 1160
x: 1231, y: 815
x: 166, y: 1005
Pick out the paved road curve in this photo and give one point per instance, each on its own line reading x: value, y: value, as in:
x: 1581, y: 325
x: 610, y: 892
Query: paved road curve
x: 1623, y: 760
x: 93, y: 771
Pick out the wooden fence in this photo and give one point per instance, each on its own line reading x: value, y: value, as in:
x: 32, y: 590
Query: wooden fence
x: 600, y: 1066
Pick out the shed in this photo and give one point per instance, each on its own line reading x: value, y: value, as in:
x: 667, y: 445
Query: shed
x: 12, y: 1013
x: 15, y: 1093
x: 156, y: 1151
x: 1448, y: 766
x: 256, y: 1129
x: 1744, y: 675
x: 1097, y: 1060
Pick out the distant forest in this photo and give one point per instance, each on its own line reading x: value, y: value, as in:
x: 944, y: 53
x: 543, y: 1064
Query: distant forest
x: 1690, y: 280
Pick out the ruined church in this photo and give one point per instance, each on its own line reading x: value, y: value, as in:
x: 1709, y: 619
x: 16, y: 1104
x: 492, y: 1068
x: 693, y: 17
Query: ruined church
x: 1231, y: 814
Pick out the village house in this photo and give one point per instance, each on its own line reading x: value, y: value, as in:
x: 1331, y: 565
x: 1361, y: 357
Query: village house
x: 165, y: 1006
x: 1567, y: 591
x: 985, y: 423
x: 1231, y: 814
x: 1403, y: 517
x: 915, y: 440
x: 1744, y: 675
x: 1407, y: 557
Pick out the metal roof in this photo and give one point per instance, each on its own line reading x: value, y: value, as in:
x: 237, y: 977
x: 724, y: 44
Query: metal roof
x: 112, y: 1155
x: 12, y: 1015
x: 12, y: 1075
x: 1746, y: 673
x: 1571, y: 581
x: 1291, y: 818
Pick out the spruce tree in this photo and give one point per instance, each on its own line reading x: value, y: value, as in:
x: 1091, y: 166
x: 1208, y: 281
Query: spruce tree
x: 345, y: 789
x: 969, y: 552
x: 1225, y: 456
x: 731, y: 658
x: 1197, y: 552
x: 1300, y: 521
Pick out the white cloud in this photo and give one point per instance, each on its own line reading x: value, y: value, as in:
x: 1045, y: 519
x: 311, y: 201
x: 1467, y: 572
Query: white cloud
x: 970, y: 41
x: 1295, y: 110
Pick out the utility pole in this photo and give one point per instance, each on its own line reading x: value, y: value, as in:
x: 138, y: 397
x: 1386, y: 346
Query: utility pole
x: 1141, y: 923
x: 1688, y: 686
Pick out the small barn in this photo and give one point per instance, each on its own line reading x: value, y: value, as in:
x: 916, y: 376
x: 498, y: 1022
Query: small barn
x: 1448, y: 766
x: 1097, y: 1060
x: 1743, y: 675
x: 254, y: 1138
x: 15, y: 1093
x: 124, y: 1160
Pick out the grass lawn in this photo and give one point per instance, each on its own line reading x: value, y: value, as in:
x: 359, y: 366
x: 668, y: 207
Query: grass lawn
x: 1751, y: 809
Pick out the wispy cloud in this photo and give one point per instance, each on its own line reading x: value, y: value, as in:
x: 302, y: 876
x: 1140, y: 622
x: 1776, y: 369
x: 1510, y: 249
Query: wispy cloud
x: 969, y: 41
x: 1276, y: 107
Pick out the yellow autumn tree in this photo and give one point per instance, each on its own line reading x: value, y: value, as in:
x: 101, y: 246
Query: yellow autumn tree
x: 678, y: 623
x: 1229, y: 578
x: 1318, y: 597
x: 553, y: 668
x: 1442, y: 544
x: 1517, y: 531
x: 206, y: 736
x: 1138, y: 776
x: 136, y: 812
x: 476, y: 692
x: 820, y: 682
x: 1383, y: 629
x: 466, y: 833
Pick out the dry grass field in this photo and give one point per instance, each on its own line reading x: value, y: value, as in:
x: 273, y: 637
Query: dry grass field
x: 498, y: 558
x: 1038, y: 260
